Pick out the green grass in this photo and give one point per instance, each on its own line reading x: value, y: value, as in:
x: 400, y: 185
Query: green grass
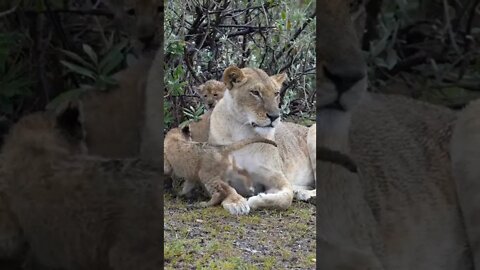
x: 211, y: 238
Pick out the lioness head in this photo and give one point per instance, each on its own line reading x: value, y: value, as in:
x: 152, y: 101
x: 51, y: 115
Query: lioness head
x: 211, y: 92
x: 254, y: 96
x: 342, y: 69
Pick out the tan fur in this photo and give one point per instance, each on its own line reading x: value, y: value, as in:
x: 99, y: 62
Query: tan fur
x: 401, y: 208
x: 210, y: 92
x: 133, y: 110
x: 466, y: 160
x: 75, y: 211
x: 118, y: 111
x: 240, y: 179
x: 11, y: 238
x: 202, y: 163
x: 312, y: 147
x: 201, y: 128
x: 152, y: 132
x: 250, y: 107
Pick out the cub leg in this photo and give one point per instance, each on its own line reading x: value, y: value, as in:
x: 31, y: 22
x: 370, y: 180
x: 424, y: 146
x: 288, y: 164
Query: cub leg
x: 218, y: 191
x: 187, y: 187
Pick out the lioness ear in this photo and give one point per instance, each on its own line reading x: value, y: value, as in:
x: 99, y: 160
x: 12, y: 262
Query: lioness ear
x: 280, y: 78
x: 232, y: 75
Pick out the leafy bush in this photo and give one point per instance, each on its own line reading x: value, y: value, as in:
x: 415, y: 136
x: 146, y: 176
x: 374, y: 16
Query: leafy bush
x: 203, y: 38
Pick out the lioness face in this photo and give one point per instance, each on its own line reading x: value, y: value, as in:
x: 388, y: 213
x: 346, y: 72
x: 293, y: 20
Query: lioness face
x: 211, y: 92
x: 256, y: 96
x: 342, y: 79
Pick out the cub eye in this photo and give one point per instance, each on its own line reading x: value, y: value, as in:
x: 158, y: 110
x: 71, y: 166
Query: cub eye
x: 205, y: 96
x: 215, y: 95
x: 131, y: 11
x: 277, y: 93
x: 255, y: 93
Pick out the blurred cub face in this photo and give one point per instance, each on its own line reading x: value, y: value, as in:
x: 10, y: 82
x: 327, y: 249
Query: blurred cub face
x: 211, y: 92
x: 140, y: 19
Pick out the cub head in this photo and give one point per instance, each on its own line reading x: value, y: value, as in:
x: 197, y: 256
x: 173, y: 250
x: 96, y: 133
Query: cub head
x: 342, y: 68
x: 140, y: 18
x: 46, y: 133
x: 211, y: 92
x: 254, y: 97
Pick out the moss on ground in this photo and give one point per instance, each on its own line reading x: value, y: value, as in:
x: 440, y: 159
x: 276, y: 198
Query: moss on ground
x: 210, y: 238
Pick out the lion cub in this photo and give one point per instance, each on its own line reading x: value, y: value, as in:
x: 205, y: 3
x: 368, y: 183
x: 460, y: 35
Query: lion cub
x: 210, y: 92
x: 210, y: 165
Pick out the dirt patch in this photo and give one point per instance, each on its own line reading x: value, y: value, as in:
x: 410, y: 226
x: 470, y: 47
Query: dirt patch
x: 211, y: 238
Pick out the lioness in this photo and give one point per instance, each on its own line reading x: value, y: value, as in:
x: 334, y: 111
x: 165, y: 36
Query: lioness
x: 77, y: 211
x: 250, y: 107
x: 401, y: 209
x: 202, y: 162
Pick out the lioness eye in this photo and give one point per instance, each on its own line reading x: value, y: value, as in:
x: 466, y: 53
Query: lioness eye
x: 205, y: 96
x: 215, y: 95
x: 255, y: 93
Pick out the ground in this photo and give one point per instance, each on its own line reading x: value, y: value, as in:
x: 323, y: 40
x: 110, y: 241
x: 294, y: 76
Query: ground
x: 211, y: 238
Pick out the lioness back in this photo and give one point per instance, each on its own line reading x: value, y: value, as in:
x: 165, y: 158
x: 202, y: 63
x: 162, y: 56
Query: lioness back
x: 401, y: 147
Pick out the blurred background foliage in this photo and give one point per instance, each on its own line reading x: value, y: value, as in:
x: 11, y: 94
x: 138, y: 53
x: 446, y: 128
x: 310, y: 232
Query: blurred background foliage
x: 424, y: 49
x: 203, y: 38
x: 52, y: 51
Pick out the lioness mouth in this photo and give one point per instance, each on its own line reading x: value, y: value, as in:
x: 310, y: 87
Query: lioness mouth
x: 267, y: 126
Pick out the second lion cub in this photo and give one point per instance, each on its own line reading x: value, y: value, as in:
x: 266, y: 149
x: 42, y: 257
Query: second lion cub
x: 202, y: 163
x: 210, y: 92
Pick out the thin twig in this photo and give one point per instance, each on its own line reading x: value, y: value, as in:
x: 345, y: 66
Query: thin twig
x: 10, y: 11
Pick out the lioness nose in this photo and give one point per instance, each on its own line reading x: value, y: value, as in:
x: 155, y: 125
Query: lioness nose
x: 273, y: 117
x: 343, y: 79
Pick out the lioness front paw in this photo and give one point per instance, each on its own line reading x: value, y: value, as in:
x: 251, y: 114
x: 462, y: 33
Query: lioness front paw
x: 236, y: 205
x: 254, y: 201
x: 305, y: 195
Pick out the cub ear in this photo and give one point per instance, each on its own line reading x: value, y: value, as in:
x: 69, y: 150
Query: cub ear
x: 186, y: 131
x: 199, y: 89
x: 280, y: 78
x: 232, y: 75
